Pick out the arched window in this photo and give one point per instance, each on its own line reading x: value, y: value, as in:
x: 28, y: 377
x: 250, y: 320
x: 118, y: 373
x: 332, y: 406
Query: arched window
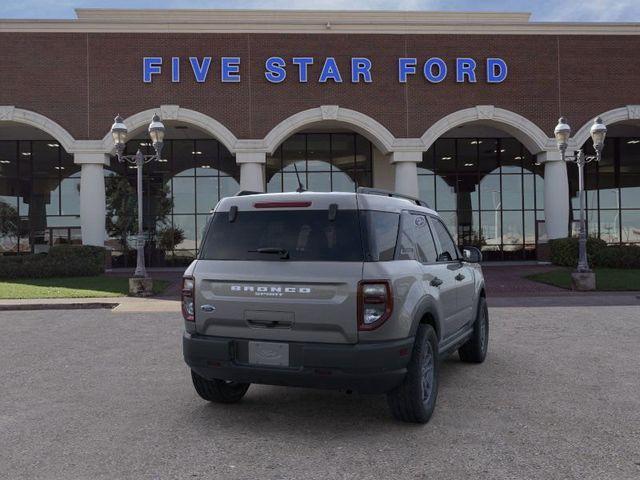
x: 325, y: 162
x: 39, y: 196
x: 194, y: 174
x: 489, y: 192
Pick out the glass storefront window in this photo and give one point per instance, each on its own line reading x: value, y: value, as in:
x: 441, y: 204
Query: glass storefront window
x: 498, y: 194
x: 194, y: 174
x: 610, y: 226
x: 630, y: 224
x: 426, y: 186
x: 39, y: 195
x: 612, y: 189
x: 325, y: 161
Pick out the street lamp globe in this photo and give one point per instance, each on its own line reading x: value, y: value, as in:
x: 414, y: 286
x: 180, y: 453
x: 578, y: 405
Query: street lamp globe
x: 598, y: 133
x: 119, y: 133
x: 562, y: 133
x: 156, y: 132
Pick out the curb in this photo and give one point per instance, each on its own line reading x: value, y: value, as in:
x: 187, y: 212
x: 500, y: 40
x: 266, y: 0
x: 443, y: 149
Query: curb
x: 57, y: 306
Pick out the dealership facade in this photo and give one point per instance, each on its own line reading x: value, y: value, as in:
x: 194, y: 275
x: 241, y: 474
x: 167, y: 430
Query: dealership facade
x: 455, y: 108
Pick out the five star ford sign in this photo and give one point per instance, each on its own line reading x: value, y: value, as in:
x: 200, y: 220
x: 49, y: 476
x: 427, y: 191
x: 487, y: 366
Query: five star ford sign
x: 361, y: 69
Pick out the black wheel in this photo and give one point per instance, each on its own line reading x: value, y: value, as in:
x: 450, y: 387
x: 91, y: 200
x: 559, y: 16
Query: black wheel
x: 219, y: 391
x: 475, y: 349
x: 415, y: 398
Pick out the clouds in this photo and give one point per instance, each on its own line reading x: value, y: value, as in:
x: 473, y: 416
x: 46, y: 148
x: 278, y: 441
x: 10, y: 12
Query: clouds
x: 543, y: 10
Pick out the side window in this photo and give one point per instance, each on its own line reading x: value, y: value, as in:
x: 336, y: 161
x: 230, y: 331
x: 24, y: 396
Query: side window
x: 406, y: 240
x: 449, y: 251
x: 416, y: 241
x: 424, y: 240
x: 381, y: 231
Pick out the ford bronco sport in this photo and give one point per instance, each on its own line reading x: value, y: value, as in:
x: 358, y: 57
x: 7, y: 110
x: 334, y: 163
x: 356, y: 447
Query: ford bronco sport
x: 356, y: 291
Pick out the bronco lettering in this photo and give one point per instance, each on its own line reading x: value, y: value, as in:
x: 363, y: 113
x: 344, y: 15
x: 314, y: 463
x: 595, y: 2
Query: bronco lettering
x: 276, y: 290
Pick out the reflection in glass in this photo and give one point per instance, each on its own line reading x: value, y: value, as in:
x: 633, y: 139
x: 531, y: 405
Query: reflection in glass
x: 512, y: 230
x: 426, y: 188
x: 325, y: 162
x: 39, y: 190
x: 195, y: 175
x: 497, y: 207
x: 445, y: 195
x: 490, y: 198
x: 512, y: 192
x: 207, y: 194
x: 610, y: 226
x: 188, y: 224
x: 612, y: 186
x: 630, y: 223
x: 183, y: 195
x: 630, y: 196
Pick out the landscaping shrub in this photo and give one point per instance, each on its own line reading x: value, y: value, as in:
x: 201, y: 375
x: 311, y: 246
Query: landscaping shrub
x: 564, y: 251
x: 618, y: 256
x: 61, y: 261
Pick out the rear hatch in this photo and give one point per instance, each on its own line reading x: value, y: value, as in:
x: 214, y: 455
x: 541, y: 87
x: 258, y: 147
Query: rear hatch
x: 281, y: 267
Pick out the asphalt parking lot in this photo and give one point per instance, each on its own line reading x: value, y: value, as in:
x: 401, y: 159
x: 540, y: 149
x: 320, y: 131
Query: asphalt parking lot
x: 104, y: 395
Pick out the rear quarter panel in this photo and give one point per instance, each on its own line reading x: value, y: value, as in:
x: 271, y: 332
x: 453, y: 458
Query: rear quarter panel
x: 407, y: 290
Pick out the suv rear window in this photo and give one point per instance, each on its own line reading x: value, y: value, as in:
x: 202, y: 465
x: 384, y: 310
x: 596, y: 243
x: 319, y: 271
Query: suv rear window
x: 306, y: 235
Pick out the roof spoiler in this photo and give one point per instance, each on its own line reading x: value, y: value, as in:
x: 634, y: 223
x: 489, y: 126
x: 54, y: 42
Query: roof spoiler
x: 242, y: 193
x: 388, y: 193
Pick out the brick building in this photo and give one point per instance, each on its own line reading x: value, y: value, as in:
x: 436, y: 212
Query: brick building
x: 456, y: 108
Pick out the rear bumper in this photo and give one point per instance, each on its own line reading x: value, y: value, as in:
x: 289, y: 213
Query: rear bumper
x: 365, y: 368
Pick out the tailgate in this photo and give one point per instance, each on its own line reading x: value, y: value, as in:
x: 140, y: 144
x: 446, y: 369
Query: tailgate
x: 295, y: 301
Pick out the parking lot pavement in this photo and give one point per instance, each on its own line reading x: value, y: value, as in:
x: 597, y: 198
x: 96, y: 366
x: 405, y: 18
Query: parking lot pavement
x: 105, y: 395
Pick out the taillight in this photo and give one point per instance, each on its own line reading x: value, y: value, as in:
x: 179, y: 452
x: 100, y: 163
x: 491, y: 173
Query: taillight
x: 375, y: 303
x: 188, y: 306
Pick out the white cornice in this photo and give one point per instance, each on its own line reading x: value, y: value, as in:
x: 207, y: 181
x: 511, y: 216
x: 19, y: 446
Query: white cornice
x: 297, y: 21
x: 295, y: 16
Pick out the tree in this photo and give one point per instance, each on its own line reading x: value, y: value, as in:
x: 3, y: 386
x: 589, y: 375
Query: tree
x: 122, y: 209
x: 9, y: 221
x: 169, y: 237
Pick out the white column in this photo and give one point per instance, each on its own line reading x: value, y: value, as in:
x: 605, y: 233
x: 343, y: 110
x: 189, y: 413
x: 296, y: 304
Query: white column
x: 251, y: 170
x: 92, y: 197
x: 383, y: 171
x: 406, y: 170
x: 556, y: 194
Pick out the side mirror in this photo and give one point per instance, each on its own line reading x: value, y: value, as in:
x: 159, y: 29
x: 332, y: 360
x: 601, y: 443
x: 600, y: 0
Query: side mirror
x: 471, y: 254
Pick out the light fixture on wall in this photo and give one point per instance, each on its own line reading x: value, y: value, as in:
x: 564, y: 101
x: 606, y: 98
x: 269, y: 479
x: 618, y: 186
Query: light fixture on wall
x: 119, y: 133
x: 562, y: 133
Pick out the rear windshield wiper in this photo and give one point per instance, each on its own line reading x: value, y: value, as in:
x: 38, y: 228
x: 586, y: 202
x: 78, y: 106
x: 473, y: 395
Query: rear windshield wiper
x: 283, y: 252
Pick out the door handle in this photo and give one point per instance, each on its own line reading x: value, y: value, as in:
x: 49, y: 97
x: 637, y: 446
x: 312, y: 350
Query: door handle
x: 459, y: 277
x: 436, y: 282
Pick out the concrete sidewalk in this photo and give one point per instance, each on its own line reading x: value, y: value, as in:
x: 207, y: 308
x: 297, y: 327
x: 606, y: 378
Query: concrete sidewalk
x: 160, y: 304
x: 506, y: 287
x: 117, y: 304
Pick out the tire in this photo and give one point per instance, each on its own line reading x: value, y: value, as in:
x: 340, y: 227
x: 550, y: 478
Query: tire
x: 475, y: 349
x: 219, y: 391
x: 414, y: 399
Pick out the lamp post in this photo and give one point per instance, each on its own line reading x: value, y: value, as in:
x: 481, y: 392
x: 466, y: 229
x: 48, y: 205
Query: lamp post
x: 562, y: 133
x: 119, y: 133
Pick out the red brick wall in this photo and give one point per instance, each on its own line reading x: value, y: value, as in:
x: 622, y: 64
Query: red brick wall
x: 82, y: 80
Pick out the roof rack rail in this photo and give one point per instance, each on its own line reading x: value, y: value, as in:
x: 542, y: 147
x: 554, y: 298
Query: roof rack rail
x: 389, y: 193
x: 242, y: 193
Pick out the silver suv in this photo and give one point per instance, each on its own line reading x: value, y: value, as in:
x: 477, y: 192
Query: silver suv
x: 356, y: 291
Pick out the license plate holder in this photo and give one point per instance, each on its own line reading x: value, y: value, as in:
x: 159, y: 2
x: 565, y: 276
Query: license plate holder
x: 274, y: 354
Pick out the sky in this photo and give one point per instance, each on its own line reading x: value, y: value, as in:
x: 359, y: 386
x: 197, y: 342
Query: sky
x: 542, y: 10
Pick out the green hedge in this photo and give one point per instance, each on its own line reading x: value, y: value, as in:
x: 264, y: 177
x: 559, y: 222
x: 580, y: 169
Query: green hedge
x: 564, y: 252
x: 618, y: 256
x: 61, y: 261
